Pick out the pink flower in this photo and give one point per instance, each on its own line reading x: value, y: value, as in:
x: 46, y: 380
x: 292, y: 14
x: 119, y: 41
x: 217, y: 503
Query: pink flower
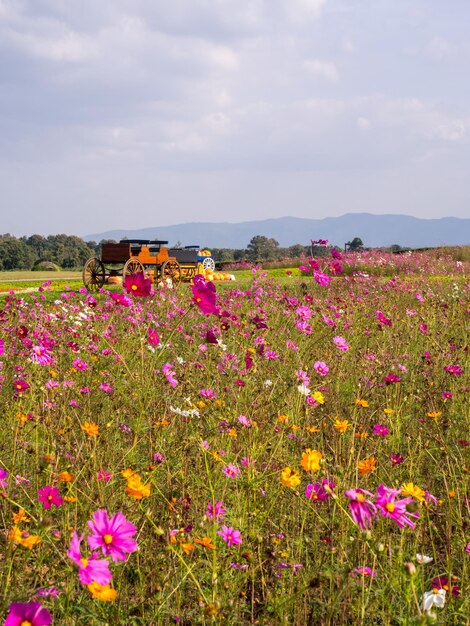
x: 207, y: 393
x: 231, y: 536
x: 50, y: 496
x: 121, y: 299
x: 321, y: 368
x: 317, y: 491
x: 362, y: 510
x: 80, y: 365
x: 169, y: 374
x: 103, y: 475
x: 381, y: 429
x: 341, y: 343
x: 216, y: 510
x: 114, y: 536
x: 31, y: 613
x: 454, y: 370
x: 232, y: 471
x: 41, y: 355
x: 391, y: 378
x: 91, y: 570
x: 382, y: 319
x: 364, y: 571
x: 152, y: 337
x: 138, y: 285
x: 394, y: 509
x: 3, y: 477
x: 204, y: 295
x: 322, y: 279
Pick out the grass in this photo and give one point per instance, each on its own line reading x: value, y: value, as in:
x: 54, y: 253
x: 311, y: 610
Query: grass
x: 212, y: 412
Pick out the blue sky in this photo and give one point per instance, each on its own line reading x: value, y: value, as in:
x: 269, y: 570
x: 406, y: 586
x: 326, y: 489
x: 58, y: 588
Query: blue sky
x: 139, y: 113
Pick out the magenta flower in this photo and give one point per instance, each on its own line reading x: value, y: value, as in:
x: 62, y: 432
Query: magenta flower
x: 364, y: 571
x: 121, y: 299
x: 391, y: 378
x: 3, y: 477
x: 41, y: 355
x: 30, y: 614
x: 454, y: 370
x: 231, y: 536
x: 442, y: 582
x: 91, y: 570
x: 21, y: 385
x: 138, y: 285
x: 204, y: 295
x: 382, y: 319
x: 217, y: 510
x: 114, y: 536
x: 322, y: 279
x: 232, y: 471
x: 321, y: 368
x: 152, y: 337
x: 394, y: 509
x: 381, y: 429
x: 80, y: 365
x: 362, y: 510
x: 50, y: 496
x: 104, y: 475
x: 341, y: 343
x: 396, y: 459
x: 317, y: 492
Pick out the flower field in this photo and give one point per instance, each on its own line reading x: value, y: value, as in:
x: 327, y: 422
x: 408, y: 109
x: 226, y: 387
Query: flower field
x: 289, y: 451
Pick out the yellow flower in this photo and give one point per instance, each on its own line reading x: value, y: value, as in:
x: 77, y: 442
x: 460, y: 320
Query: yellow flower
x: 367, y: 465
x: 65, y: 477
x: 362, y: 403
x: 318, y: 397
x: 283, y: 419
x: 127, y: 473
x: 389, y: 411
x: 289, y: 477
x: 27, y: 541
x: 22, y: 418
x: 312, y: 429
x: 20, y: 517
x: 91, y: 429
x: 311, y: 460
x: 361, y: 435
x: 341, y: 425
x: 233, y: 433
x: 205, y: 542
x: 434, y: 414
x: 102, y: 592
x: 408, y: 489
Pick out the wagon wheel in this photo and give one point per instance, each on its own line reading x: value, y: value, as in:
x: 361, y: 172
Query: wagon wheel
x: 94, y: 274
x: 171, y: 271
x: 132, y: 266
x: 208, y: 264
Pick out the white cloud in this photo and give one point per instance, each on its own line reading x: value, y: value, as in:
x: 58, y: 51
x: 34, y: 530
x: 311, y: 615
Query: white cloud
x: 322, y: 69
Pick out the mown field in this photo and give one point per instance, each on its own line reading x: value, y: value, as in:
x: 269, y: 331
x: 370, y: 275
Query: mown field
x: 293, y: 449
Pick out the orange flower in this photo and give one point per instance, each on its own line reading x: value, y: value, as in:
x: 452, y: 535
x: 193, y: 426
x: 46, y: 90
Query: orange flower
x: 187, y: 548
x: 20, y: 517
x: 289, y: 477
x: 65, y: 477
x: 283, y: 419
x: 362, y: 403
x: 311, y: 460
x: 205, y: 542
x: 70, y: 498
x: 341, y: 425
x: 367, y: 465
x: 135, y: 489
x: 23, y: 538
x: 91, y: 429
x: 102, y: 592
x: 312, y: 429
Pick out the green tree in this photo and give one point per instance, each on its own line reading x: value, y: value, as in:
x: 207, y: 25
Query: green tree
x: 356, y: 244
x: 262, y: 248
x: 15, y: 254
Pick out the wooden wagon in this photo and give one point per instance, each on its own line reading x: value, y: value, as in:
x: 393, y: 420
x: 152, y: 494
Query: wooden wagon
x: 131, y: 256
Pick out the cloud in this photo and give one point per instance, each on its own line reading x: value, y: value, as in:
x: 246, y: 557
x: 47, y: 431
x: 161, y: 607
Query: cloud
x: 323, y: 69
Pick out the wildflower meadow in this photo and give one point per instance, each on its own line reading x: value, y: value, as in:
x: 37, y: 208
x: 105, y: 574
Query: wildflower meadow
x: 279, y: 450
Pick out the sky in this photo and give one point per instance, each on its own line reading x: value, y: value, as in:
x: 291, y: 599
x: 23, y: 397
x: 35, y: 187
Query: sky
x: 141, y: 113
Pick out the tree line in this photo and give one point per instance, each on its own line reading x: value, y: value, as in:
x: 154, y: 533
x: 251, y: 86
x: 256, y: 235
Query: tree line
x: 71, y: 252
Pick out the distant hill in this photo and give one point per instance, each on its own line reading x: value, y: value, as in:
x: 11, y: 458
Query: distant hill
x: 374, y: 230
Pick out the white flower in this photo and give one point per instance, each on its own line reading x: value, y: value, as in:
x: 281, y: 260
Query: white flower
x: 436, y: 597
x: 268, y: 383
x: 423, y: 559
x: 304, y: 390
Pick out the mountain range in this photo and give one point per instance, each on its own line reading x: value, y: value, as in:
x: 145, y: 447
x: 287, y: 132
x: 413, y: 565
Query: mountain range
x: 374, y: 230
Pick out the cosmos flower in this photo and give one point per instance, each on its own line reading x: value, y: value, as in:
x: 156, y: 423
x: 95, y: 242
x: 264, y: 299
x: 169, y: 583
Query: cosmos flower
x: 114, y: 536
x: 435, y: 597
x: 362, y: 510
x: 216, y: 510
x: 341, y: 343
x: 138, y: 285
x: 321, y: 368
x: 311, y: 460
x: 90, y: 569
x: 27, y: 614
x: 231, y: 536
x: 394, y: 509
x: 204, y: 295
x: 50, y: 496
